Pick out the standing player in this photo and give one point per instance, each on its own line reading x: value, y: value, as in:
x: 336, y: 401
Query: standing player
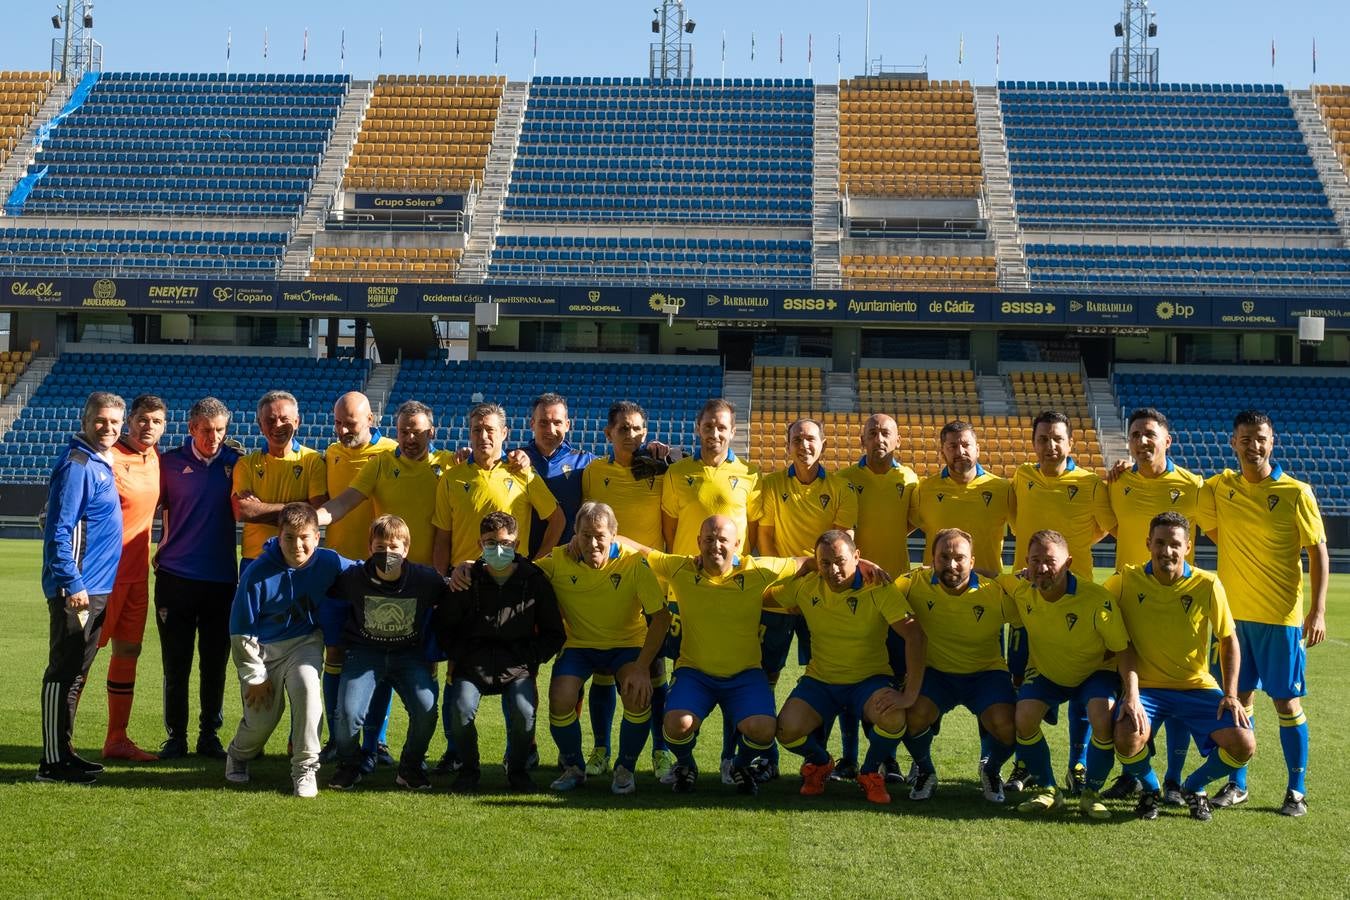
x: 713, y: 483
x: 963, y: 495
x: 196, y: 573
x: 1173, y: 613
x: 962, y: 616
x: 81, y: 546
x: 1071, y: 625
x: 282, y: 472
x: 848, y: 665
x: 136, y: 471
x: 358, y: 444
x: 801, y: 503
x: 630, y: 481
x: 1056, y: 493
x: 1260, y: 518
x: 1152, y: 485
x: 603, y: 591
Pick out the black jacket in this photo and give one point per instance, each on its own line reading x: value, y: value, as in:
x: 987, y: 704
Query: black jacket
x: 496, y: 634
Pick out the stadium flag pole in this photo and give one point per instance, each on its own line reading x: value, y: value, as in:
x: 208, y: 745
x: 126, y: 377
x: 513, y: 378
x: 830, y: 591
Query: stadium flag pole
x: 810, y: 54
x: 867, y: 41
x: 1272, y: 54
x: 419, y: 48
x: 534, y: 63
x: 724, y: 53
x: 264, y: 48
x: 456, y: 50
x: 752, y: 46
x: 229, y: 36
x: 780, y: 48
x: 1314, y: 56
x: 380, y: 53
x: 998, y: 48
x: 838, y: 56
x: 496, y: 49
x: 342, y: 52
x: 304, y: 50
x: 961, y: 54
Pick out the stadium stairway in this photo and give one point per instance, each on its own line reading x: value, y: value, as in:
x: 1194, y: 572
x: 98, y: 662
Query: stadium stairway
x: 19, y: 160
x: 841, y: 392
x: 379, y: 385
x: 1000, y: 204
x: 1323, y: 153
x: 323, y: 193
x: 1105, y: 409
x: 994, y: 397
x: 17, y: 398
x: 487, y: 212
x: 825, y: 252
x: 736, y: 390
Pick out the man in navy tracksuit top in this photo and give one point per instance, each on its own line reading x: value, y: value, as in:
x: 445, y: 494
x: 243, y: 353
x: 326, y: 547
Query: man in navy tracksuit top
x: 277, y: 645
x: 81, y: 547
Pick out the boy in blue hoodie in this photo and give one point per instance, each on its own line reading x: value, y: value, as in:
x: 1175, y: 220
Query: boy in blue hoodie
x: 277, y: 645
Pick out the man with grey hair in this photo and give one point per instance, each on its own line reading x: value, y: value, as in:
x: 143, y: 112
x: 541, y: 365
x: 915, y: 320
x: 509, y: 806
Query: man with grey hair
x: 272, y: 476
x: 81, y: 549
x: 195, y: 575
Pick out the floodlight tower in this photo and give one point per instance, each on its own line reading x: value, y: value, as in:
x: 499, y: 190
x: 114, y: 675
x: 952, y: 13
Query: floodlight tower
x: 75, y: 51
x: 671, y: 56
x: 1134, y: 60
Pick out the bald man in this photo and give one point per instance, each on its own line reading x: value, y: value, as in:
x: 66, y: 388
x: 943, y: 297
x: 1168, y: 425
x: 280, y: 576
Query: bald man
x: 358, y: 443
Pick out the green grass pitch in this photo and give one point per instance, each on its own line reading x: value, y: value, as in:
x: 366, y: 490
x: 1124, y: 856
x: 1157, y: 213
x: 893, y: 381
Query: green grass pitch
x: 175, y: 828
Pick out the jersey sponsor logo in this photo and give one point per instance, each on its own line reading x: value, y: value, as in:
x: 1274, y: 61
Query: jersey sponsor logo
x: 978, y: 611
x: 1186, y: 601
x: 824, y: 501
x: 987, y: 496
x: 1073, y: 491
x: 1071, y: 619
x: 1271, y: 502
x: 1174, y: 494
x: 852, y: 605
x: 615, y: 579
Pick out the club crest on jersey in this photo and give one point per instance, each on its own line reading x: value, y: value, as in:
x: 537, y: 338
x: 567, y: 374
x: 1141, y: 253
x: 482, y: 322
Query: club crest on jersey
x: 1174, y: 494
x: 567, y: 470
x: 978, y: 611
x: 1106, y: 605
x: 1271, y: 502
x: 606, y: 482
x: 1071, y: 619
x: 1073, y: 491
x: 574, y: 579
x: 1128, y: 490
x: 815, y: 600
x: 783, y: 496
x: 1231, y: 493
x: 228, y: 471
x: 615, y: 579
x: 987, y: 497
x: 930, y: 605
x: 259, y: 471
x: 689, y: 480
x: 436, y: 470
x: 852, y: 605
x: 395, y: 473
x: 1140, y: 596
x: 510, y: 483
x: 940, y: 496
x: 297, y: 471
x: 900, y: 489
x: 651, y: 483
x: 740, y: 581
x: 734, y: 483
x: 824, y: 501
x: 466, y: 486
x: 1186, y: 601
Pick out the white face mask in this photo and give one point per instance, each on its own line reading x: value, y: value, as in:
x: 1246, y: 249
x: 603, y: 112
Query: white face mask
x: 498, y: 556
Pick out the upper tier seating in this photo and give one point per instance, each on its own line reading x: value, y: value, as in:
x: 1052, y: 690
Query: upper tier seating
x: 733, y: 151
x: 1334, y: 102
x: 1219, y: 157
x: 902, y: 138
x: 21, y: 96
x: 539, y: 258
x: 92, y: 252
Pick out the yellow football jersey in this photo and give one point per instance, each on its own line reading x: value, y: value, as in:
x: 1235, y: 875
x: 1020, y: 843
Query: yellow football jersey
x: 401, y: 487
x: 694, y: 491
x: 801, y: 513
x: 468, y: 492
x: 964, y: 630
x: 883, y: 513
x: 349, y: 536
x: 636, y: 503
x: 602, y: 608
x: 1262, y: 528
x: 1076, y: 504
x: 979, y: 508
x: 848, y: 628
x: 720, y: 614
x: 1171, y: 626
x: 1067, y: 640
x: 1136, y: 499
x: 299, y: 475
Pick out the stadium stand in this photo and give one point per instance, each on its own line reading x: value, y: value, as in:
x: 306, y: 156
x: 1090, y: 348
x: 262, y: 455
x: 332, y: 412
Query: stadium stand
x: 562, y: 258
x: 671, y: 394
x: 425, y: 133
x: 1060, y: 391
x: 947, y: 393
x: 900, y: 138
x: 786, y: 388
x: 384, y: 263
x: 1334, y: 102
x: 1311, y: 415
x: 728, y: 151
x: 44, y: 426
x: 13, y: 363
x: 97, y: 251
x: 184, y: 144
x: 891, y: 272
x: 1226, y: 157
x: 1189, y: 268
x: 21, y: 95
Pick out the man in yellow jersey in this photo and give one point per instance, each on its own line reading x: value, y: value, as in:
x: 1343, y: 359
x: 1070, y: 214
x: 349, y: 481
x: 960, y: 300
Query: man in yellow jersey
x: 357, y: 446
x: 1262, y: 518
x: 720, y: 593
x: 1172, y: 613
x: 603, y: 590
x: 1055, y: 492
x: 848, y: 665
x: 630, y: 481
x: 484, y: 484
x: 962, y: 616
x: 963, y: 495
x: 1072, y: 626
x: 800, y: 503
x: 1153, y: 484
x: 714, y: 482
x: 269, y: 478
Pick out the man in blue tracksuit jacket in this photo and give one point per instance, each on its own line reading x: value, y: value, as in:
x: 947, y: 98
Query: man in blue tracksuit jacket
x: 81, y: 547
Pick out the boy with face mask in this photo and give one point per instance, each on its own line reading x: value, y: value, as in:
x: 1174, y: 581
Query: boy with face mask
x: 496, y: 633
x: 390, y: 603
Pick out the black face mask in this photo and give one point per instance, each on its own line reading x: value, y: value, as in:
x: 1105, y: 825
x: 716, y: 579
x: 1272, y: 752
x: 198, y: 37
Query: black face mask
x: 386, y: 563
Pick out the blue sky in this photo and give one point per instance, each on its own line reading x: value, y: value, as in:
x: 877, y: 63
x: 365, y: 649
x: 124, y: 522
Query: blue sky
x: 1199, y: 40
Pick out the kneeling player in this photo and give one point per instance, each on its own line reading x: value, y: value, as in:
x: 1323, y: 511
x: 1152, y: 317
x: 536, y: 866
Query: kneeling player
x: 1071, y: 625
x: 1171, y: 611
x: 962, y: 616
x: 603, y: 590
x: 385, y: 637
x: 848, y: 668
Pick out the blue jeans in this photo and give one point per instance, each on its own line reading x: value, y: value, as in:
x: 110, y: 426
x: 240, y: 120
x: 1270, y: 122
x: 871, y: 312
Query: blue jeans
x: 463, y: 696
x: 411, y: 678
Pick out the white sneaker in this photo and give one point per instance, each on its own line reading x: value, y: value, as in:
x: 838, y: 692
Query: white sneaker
x: 728, y: 767
x: 236, y: 770
x: 624, y: 782
x: 307, y: 785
